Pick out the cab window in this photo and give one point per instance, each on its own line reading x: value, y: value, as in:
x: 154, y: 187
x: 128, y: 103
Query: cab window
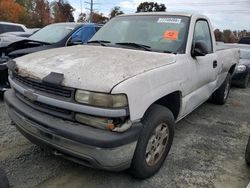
x: 202, y: 33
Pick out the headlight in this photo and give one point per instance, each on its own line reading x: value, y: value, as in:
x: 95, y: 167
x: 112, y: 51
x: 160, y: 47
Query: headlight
x: 97, y: 122
x: 240, y: 68
x: 101, y: 100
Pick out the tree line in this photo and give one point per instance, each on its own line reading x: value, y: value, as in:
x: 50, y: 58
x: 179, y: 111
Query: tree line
x: 143, y: 7
x: 39, y: 13
x: 36, y: 13
x: 229, y: 36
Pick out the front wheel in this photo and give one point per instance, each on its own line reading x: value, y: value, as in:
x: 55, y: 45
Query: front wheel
x: 154, y: 143
x: 220, y: 96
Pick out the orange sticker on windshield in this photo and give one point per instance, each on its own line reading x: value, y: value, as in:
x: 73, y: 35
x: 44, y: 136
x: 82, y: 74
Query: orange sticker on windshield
x: 171, y: 35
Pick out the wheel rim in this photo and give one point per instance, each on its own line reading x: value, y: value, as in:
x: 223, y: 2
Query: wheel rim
x: 226, y: 90
x: 157, y: 144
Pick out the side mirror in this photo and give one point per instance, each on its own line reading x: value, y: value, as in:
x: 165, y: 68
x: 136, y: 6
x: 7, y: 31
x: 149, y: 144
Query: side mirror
x: 74, y: 41
x: 199, y: 49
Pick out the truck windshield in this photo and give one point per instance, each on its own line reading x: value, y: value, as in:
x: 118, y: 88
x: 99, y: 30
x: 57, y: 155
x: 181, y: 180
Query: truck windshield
x: 53, y: 33
x: 158, y: 33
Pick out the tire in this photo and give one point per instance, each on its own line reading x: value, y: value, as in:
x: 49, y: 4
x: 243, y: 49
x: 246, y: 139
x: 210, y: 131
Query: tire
x: 157, y: 119
x: 245, y: 82
x: 220, y: 96
x: 247, y: 155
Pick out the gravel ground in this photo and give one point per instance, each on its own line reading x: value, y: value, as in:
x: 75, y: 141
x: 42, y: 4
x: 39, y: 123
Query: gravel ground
x: 208, y: 151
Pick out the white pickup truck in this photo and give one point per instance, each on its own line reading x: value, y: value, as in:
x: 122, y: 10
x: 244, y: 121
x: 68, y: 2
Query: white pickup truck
x: 113, y: 104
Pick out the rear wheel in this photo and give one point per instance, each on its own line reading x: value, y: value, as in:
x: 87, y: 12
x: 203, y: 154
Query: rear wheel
x: 154, y: 143
x: 220, y: 96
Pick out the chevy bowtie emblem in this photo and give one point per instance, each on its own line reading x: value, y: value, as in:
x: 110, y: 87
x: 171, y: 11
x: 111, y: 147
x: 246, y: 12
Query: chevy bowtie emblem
x: 30, y: 95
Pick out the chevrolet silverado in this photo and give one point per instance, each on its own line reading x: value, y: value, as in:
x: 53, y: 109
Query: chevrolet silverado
x: 113, y: 103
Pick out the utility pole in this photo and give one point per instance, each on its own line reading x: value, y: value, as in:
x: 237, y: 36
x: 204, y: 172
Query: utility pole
x: 91, y: 9
x: 81, y: 5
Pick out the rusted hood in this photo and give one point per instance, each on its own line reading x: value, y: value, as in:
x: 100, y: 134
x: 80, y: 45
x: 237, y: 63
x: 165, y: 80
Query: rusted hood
x: 93, y: 68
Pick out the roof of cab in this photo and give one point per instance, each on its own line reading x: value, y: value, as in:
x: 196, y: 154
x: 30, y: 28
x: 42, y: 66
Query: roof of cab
x: 11, y: 23
x: 159, y: 14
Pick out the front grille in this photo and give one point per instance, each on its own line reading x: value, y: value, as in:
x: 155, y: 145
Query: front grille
x: 45, y: 87
x: 51, y: 110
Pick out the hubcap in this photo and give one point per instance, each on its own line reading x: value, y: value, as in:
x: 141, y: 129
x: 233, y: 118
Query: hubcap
x: 157, y: 144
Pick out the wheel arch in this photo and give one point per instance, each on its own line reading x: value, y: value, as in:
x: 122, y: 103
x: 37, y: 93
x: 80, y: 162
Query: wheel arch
x: 232, y: 69
x: 172, y: 101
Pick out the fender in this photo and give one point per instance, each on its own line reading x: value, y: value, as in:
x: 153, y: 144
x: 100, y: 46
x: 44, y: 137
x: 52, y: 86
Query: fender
x: 156, y: 84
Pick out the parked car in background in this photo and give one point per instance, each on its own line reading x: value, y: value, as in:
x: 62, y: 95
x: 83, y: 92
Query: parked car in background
x: 52, y: 36
x: 113, y: 104
x: 241, y: 78
x: 244, y: 40
x: 13, y: 32
x: 21, y: 34
x: 247, y: 155
x: 12, y: 27
x: 11, y: 37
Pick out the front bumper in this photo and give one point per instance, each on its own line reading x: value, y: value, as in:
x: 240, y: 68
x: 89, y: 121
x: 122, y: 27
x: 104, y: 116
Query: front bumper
x: 83, y: 144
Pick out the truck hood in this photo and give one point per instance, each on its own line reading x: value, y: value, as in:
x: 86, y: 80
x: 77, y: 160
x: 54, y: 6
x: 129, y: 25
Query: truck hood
x: 93, y: 68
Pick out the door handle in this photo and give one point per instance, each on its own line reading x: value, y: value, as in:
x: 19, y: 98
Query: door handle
x: 215, y: 64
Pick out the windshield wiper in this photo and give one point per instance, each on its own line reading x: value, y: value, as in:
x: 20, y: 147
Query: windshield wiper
x: 101, y: 42
x: 39, y: 42
x: 168, y: 52
x: 136, y: 45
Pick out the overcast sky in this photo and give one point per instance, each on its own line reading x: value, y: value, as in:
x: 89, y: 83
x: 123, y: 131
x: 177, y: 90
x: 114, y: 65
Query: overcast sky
x: 224, y: 14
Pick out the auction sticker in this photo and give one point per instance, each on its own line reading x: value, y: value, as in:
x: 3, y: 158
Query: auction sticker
x: 171, y: 35
x: 169, y: 20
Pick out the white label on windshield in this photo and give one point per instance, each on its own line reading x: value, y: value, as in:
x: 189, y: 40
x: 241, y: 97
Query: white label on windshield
x: 169, y: 20
x: 70, y: 28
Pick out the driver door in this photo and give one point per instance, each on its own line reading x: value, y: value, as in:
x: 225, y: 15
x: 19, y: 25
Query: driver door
x: 204, y: 69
